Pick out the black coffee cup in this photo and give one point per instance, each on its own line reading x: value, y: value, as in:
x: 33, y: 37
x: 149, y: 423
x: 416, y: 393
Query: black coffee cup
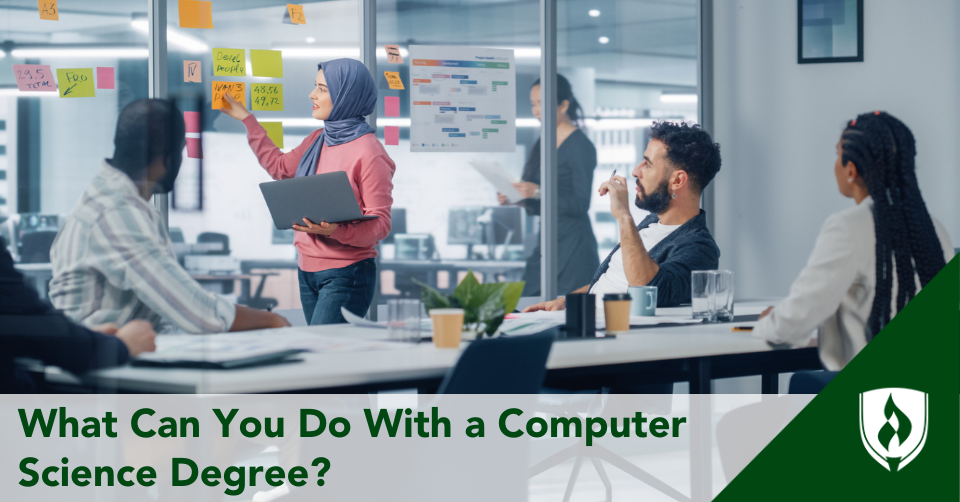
x: 581, y: 315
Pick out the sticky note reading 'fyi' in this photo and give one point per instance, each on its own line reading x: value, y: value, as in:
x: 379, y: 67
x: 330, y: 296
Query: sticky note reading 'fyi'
x: 49, y: 10
x: 235, y: 89
x: 105, y: 78
x: 393, y: 79
x: 296, y: 14
x: 274, y: 132
x: 393, y: 54
x: 75, y: 82
x: 266, y: 63
x: 267, y: 97
x: 191, y: 71
x: 34, y: 77
x: 229, y: 62
x: 195, y: 14
x: 391, y: 106
x: 391, y: 135
x: 192, y: 121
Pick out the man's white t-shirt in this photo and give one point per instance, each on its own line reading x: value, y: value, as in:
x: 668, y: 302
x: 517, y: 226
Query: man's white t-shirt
x: 614, y: 280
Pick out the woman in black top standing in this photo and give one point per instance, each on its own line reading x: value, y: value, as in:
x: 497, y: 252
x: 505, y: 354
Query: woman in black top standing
x: 577, y: 252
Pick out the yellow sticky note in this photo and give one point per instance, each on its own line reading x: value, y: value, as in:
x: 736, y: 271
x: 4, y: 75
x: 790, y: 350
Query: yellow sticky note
x: 274, y: 132
x: 393, y: 79
x: 229, y: 62
x: 266, y: 63
x: 195, y: 14
x: 296, y: 14
x: 75, y: 82
x: 49, y: 10
x: 236, y: 89
x: 267, y: 97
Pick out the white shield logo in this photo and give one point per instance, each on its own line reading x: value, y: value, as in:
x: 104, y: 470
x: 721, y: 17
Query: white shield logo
x: 893, y: 425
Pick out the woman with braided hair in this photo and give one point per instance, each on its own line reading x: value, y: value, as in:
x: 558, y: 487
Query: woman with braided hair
x: 869, y: 260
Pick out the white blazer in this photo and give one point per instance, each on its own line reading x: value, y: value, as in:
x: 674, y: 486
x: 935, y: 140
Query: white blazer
x: 834, y: 292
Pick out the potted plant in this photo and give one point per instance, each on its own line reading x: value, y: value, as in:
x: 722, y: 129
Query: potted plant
x: 484, y: 305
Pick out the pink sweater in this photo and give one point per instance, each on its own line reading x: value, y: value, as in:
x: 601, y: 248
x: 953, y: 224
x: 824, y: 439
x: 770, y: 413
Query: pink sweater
x: 370, y: 171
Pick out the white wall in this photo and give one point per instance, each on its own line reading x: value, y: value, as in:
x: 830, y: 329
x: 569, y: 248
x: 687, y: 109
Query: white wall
x: 778, y: 123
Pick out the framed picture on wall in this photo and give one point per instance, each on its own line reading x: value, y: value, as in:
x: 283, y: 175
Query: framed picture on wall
x: 829, y: 31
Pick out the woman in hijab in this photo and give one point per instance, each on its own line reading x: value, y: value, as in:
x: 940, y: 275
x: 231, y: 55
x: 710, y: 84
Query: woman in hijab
x: 336, y: 261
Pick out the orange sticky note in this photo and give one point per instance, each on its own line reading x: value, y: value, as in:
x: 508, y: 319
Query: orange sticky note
x: 195, y: 14
x: 393, y: 79
x: 391, y: 135
x: 191, y: 71
x: 296, y: 14
x: 49, y: 10
x: 393, y: 54
x: 219, y: 88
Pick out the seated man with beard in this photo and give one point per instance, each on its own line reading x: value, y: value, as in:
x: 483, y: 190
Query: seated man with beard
x: 673, y: 240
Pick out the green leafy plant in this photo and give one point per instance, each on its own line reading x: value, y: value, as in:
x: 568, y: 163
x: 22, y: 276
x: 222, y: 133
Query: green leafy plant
x: 484, y: 305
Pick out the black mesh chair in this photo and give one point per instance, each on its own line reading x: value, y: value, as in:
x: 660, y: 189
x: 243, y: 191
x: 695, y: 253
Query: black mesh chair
x: 504, y: 365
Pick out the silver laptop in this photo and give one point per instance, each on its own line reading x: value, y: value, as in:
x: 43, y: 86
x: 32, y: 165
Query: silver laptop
x: 321, y: 197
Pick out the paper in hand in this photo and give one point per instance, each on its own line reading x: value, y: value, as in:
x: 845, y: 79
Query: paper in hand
x: 499, y: 178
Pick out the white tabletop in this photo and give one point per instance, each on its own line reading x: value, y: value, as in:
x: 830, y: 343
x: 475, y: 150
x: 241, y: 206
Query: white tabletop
x: 340, y: 369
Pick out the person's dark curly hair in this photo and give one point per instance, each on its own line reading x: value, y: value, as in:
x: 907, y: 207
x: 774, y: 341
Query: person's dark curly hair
x: 691, y: 149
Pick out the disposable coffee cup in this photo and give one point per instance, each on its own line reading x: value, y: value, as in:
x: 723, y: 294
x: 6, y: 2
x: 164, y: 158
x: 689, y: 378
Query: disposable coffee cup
x: 447, y: 327
x: 616, y: 311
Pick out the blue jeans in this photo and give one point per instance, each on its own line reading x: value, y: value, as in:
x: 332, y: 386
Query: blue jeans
x: 323, y: 293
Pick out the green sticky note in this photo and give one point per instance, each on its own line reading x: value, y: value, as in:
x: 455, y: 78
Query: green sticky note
x: 266, y: 63
x: 267, y: 97
x: 274, y: 132
x: 75, y: 82
x: 229, y: 62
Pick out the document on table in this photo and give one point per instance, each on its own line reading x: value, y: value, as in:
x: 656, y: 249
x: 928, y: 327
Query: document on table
x: 559, y: 317
x: 354, y: 319
x: 499, y: 178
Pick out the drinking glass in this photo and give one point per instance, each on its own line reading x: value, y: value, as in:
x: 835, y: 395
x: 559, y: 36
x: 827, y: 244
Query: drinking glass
x: 403, y: 320
x: 702, y: 284
x: 721, y: 309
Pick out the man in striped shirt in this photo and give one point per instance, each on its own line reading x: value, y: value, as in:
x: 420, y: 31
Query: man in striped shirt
x: 112, y: 260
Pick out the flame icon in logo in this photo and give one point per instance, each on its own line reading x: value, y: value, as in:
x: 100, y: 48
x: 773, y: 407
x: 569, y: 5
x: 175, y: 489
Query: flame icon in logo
x: 889, y: 427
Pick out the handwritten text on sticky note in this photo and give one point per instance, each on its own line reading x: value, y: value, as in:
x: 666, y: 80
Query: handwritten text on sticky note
x: 191, y: 71
x: 229, y: 62
x: 296, y: 14
x: 393, y: 79
x: 266, y: 63
x: 393, y: 54
x: 75, y: 82
x: 235, y: 89
x: 195, y: 14
x: 274, y: 132
x: 49, y: 10
x: 267, y: 96
x: 34, y: 77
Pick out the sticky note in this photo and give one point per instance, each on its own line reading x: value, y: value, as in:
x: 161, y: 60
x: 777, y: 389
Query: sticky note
x: 391, y: 106
x: 229, y: 62
x: 266, y: 63
x: 235, y: 89
x: 75, y: 82
x: 191, y: 71
x: 105, y: 78
x: 393, y: 79
x: 194, y: 149
x: 274, y: 132
x: 296, y: 14
x: 267, y: 96
x: 34, y: 77
x: 49, y: 10
x: 391, y: 135
x: 393, y: 54
x: 192, y: 121
x: 195, y: 14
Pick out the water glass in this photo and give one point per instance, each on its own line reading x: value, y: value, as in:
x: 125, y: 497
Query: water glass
x: 702, y: 284
x: 403, y: 320
x: 721, y: 308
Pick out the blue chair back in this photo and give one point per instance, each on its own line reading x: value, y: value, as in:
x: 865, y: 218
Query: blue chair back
x: 504, y: 365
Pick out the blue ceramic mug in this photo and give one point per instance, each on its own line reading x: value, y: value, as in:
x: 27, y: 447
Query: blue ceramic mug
x: 643, y: 300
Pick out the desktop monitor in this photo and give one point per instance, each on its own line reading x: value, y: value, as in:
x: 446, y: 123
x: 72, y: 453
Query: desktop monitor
x: 463, y: 227
x: 398, y: 224
x: 473, y: 225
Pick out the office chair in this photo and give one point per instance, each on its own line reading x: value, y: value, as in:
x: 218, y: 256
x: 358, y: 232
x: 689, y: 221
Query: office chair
x: 35, y: 246
x: 211, y: 237
x: 504, y: 365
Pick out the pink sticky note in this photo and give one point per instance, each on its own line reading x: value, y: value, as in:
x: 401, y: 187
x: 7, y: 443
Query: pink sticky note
x: 391, y: 135
x: 105, y: 77
x: 391, y: 106
x: 34, y: 77
x: 192, y: 120
x: 193, y: 148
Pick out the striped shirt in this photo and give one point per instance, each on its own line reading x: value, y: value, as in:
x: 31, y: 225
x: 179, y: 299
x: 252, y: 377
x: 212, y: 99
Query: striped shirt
x: 113, y: 263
